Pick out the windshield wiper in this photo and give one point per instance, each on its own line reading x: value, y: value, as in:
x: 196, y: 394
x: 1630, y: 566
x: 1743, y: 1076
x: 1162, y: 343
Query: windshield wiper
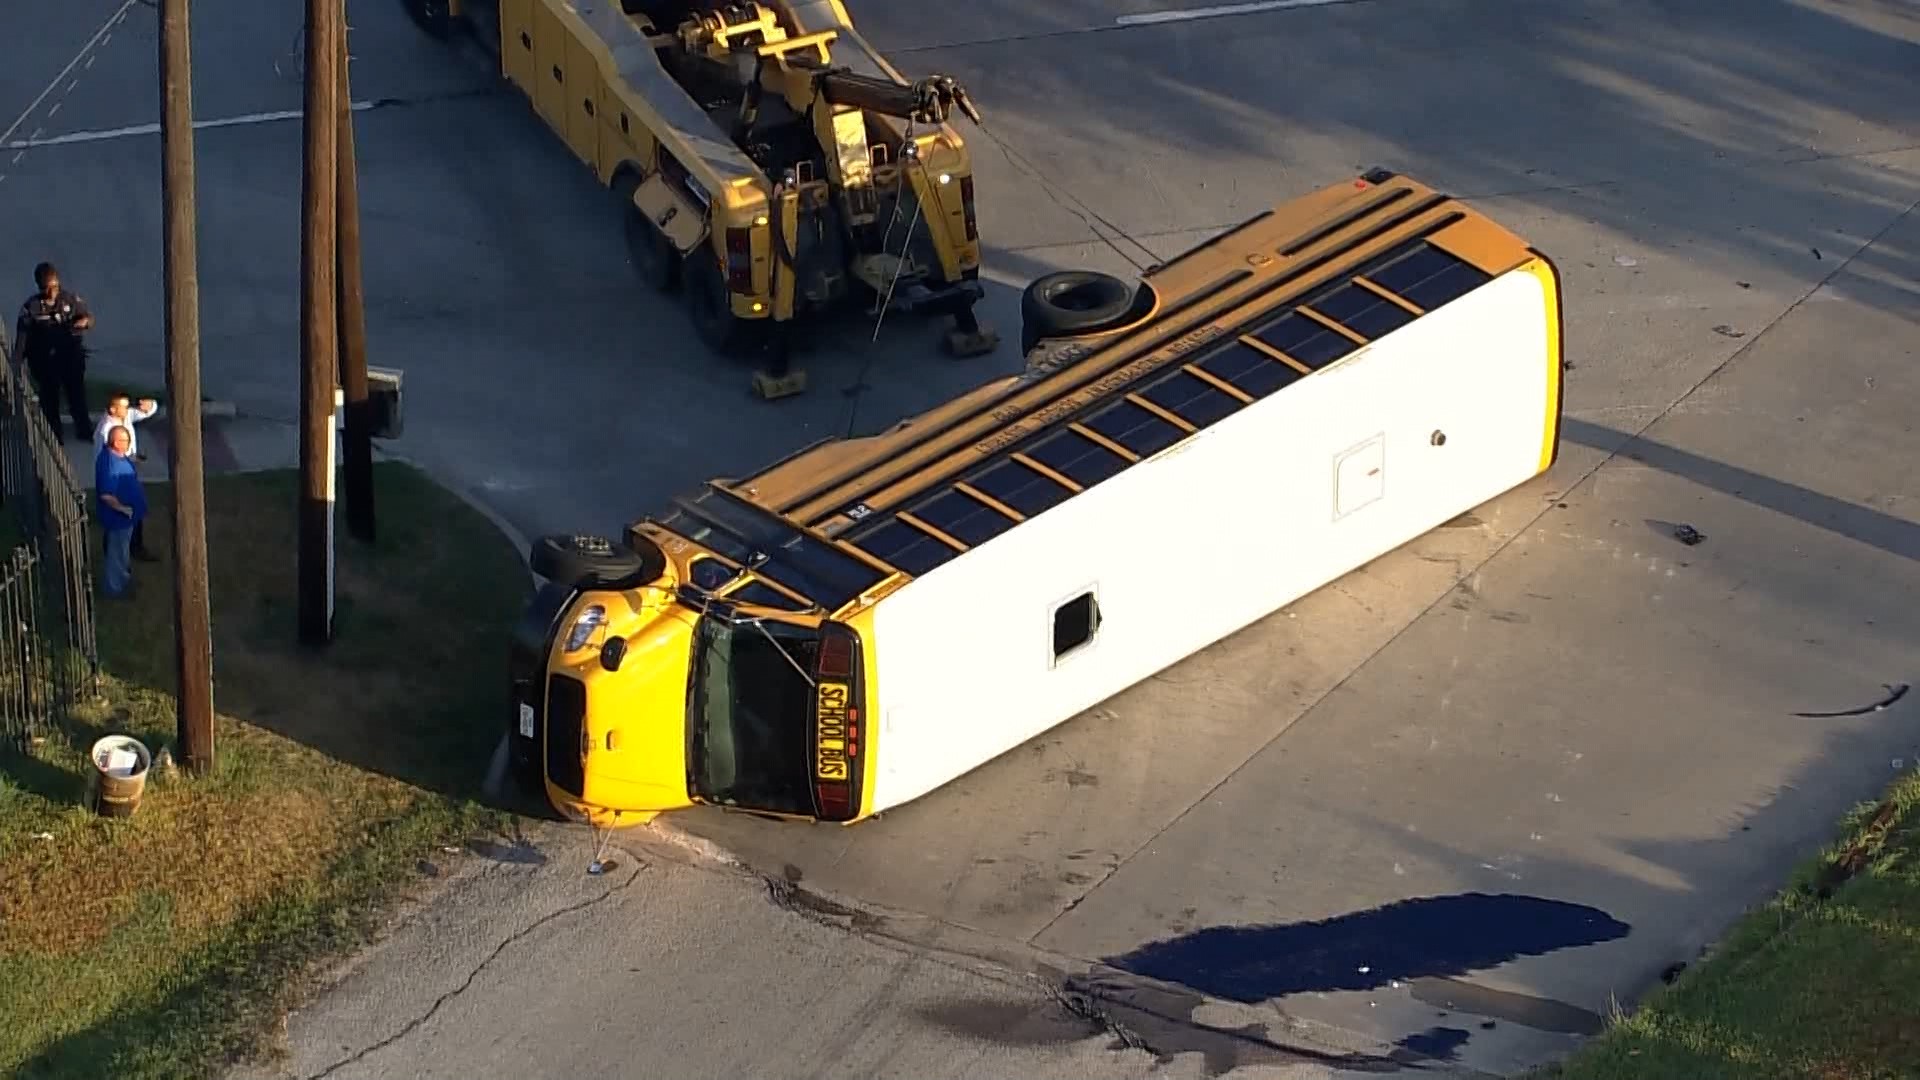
x: 715, y: 607
x: 775, y: 642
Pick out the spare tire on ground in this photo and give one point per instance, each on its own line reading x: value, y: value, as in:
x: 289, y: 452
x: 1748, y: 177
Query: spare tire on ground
x: 595, y: 562
x: 1069, y: 302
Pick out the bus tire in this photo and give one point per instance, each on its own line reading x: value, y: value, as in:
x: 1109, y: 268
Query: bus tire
x: 710, y: 306
x: 594, y: 562
x: 652, y: 253
x: 433, y: 16
x: 1070, y: 302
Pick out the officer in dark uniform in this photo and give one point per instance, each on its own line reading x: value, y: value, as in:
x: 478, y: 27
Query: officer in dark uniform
x: 48, y: 338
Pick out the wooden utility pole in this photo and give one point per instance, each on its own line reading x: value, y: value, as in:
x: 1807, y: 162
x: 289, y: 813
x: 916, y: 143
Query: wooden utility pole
x: 192, y: 622
x: 319, y: 325
x: 353, y: 324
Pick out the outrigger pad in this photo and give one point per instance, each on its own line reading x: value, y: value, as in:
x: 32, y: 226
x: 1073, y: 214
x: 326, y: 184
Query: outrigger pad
x: 770, y: 387
x: 978, y: 341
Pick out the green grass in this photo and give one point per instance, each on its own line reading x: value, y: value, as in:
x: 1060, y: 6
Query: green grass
x: 159, y: 946
x: 1823, y: 983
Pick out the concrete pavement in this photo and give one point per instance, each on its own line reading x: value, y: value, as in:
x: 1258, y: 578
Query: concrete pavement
x: 1551, y: 716
x: 522, y: 964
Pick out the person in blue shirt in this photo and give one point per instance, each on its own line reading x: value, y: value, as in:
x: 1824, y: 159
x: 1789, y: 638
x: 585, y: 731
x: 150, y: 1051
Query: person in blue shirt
x: 122, y: 505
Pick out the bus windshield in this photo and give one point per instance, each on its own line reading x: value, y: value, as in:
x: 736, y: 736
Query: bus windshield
x: 749, y: 715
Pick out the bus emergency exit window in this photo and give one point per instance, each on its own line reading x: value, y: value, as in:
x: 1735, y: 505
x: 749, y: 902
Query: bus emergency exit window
x: 1074, y: 625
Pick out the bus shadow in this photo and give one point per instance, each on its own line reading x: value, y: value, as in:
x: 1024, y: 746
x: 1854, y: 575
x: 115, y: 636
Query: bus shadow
x: 1893, y: 535
x: 1399, y: 942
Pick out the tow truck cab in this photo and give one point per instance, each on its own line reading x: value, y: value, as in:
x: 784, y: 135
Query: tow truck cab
x: 641, y: 691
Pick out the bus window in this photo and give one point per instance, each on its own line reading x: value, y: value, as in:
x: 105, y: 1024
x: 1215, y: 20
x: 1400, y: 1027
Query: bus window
x: 1077, y: 458
x: 1249, y: 370
x: 1429, y: 277
x: 1305, y: 340
x: 1365, y: 313
x: 760, y: 595
x: 1192, y: 398
x: 963, y: 517
x: 1135, y: 428
x: 711, y: 575
x: 1020, y: 487
x: 901, y: 545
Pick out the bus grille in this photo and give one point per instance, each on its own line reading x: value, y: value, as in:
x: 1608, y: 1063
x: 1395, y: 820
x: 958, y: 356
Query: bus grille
x: 566, y: 726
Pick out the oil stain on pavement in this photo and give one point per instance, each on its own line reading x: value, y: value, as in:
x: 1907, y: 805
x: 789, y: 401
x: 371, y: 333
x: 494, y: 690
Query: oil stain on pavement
x: 1441, y: 1043
x: 1424, y: 937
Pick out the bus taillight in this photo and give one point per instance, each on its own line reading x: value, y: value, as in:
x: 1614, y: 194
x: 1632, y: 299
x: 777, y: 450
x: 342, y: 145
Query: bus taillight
x: 836, y: 656
x: 836, y: 801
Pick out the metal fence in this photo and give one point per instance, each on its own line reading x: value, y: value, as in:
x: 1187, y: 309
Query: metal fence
x: 49, y: 656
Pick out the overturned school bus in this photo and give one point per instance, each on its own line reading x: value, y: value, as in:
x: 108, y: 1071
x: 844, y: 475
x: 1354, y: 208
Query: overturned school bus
x: 860, y: 623
x: 768, y: 162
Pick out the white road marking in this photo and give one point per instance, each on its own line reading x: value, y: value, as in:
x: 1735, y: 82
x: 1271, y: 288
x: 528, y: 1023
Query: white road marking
x: 54, y: 108
x: 154, y: 129
x: 99, y: 36
x: 1150, y: 18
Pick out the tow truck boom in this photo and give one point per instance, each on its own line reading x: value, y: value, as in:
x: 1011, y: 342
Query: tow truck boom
x: 929, y: 100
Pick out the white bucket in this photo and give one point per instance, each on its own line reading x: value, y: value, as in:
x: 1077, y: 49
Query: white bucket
x: 120, y: 765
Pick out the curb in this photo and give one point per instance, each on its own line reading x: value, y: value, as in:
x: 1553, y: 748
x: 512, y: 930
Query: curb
x: 701, y: 848
x: 522, y: 545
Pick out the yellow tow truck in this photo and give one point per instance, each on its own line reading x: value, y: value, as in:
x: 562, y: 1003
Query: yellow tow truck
x: 770, y: 163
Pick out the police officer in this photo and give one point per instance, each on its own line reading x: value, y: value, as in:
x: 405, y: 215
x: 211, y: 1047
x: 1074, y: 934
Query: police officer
x: 48, y: 338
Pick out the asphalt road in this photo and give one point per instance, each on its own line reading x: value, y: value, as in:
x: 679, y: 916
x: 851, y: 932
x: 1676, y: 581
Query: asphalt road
x: 1457, y: 803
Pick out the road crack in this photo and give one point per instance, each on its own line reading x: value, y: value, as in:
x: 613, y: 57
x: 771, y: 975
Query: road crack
x: 465, y: 984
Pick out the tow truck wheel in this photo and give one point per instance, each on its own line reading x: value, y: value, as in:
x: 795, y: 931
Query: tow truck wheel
x: 709, y: 304
x: 652, y: 254
x: 595, y: 561
x: 433, y: 16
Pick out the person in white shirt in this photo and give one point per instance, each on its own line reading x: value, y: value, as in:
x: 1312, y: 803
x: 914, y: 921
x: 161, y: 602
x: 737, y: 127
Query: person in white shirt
x: 122, y: 412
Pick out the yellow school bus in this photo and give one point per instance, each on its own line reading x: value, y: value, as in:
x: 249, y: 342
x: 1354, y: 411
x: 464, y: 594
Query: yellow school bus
x: 854, y: 626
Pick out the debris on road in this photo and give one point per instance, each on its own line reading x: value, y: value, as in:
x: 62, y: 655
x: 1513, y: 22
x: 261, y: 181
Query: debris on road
x: 1727, y: 331
x: 1894, y: 693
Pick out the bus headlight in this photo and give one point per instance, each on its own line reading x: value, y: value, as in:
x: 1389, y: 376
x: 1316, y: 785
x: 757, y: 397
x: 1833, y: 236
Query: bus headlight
x: 583, y: 627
